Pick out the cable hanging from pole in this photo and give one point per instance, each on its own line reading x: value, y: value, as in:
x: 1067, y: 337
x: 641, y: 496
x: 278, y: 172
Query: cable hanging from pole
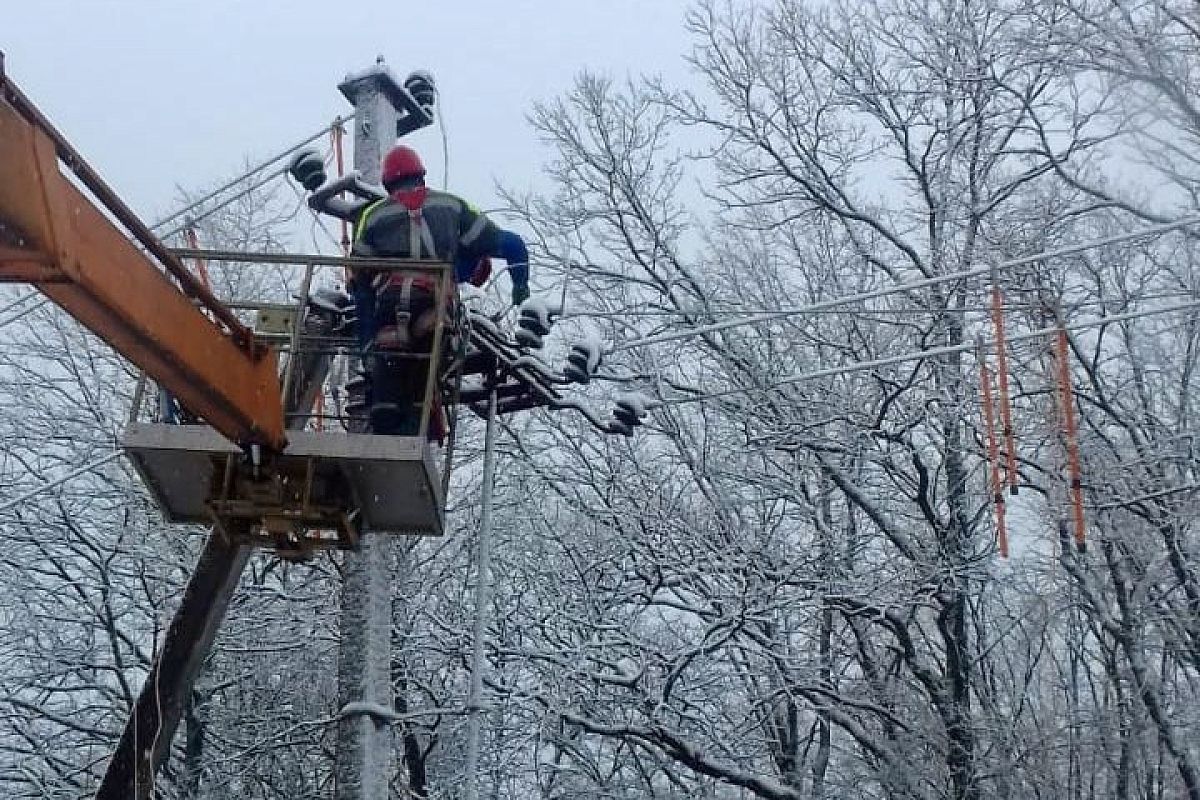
x: 337, y: 136
x: 193, y: 241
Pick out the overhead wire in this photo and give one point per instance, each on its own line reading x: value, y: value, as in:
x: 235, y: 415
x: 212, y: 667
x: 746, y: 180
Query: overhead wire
x: 1125, y: 502
x: 259, y: 167
x: 16, y: 501
x: 703, y: 330
x: 917, y: 355
x: 972, y: 309
x: 337, y: 122
x: 208, y: 212
x: 924, y: 283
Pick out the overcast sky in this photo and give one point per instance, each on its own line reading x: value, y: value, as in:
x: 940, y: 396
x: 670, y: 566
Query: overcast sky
x: 159, y: 93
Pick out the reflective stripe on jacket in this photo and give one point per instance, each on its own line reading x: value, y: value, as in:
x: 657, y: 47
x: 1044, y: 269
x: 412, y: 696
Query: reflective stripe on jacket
x: 386, y: 229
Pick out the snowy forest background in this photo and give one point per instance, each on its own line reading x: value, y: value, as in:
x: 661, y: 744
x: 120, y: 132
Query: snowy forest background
x: 790, y: 590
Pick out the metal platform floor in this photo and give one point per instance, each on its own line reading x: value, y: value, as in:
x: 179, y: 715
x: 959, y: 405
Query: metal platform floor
x: 388, y: 484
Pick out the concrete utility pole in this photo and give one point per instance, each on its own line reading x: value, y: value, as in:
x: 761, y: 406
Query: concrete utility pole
x: 364, y: 739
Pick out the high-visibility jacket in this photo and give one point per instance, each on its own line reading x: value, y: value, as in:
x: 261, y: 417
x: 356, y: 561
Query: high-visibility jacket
x: 443, y: 228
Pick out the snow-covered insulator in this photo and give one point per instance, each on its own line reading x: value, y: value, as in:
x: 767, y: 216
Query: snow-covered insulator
x: 482, y: 323
x: 582, y: 361
x: 308, y: 168
x: 629, y: 411
x: 330, y: 300
x: 534, y: 316
x: 357, y: 389
x: 421, y: 86
x: 336, y: 306
x: 529, y: 338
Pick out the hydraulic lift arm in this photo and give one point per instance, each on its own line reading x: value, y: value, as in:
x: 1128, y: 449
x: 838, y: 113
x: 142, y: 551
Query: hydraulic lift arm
x: 78, y: 251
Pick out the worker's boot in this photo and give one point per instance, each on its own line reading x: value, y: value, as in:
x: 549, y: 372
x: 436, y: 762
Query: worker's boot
x: 387, y: 419
x: 392, y: 409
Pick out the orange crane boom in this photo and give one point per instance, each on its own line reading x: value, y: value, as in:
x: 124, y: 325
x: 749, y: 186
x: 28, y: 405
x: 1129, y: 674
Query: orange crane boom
x: 72, y: 248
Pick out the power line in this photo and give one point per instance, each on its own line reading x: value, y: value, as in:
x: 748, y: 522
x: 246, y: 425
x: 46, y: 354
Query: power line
x: 228, y: 201
x: 337, y: 122
x: 918, y: 355
x: 1129, y: 501
x: 925, y: 283
x: 59, y: 481
x: 207, y: 212
x: 735, y: 312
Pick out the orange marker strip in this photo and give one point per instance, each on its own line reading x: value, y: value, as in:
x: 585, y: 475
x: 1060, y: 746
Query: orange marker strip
x: 1010, y: 448
x: 340, y: 158
x: 993, y: 451
x: 1071, y: 439
x: 201, y: 265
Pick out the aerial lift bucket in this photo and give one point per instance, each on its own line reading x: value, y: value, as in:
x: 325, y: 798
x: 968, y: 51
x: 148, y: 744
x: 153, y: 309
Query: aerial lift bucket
x: 325, y: 487
x: 63, y: 230
x: 323, y: 483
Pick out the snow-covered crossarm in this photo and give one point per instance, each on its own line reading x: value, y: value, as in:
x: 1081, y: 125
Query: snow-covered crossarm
x: 330, y: 198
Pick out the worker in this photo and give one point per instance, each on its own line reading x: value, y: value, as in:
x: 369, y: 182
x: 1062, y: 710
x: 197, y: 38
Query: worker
x: 396, y: 310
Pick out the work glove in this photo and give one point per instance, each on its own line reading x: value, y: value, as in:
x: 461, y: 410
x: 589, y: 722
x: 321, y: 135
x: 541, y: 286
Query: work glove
x: 519, y: 294
x: 483, y: 271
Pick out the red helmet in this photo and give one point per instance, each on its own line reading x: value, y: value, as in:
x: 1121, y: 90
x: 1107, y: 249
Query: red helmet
x: 401, y: 162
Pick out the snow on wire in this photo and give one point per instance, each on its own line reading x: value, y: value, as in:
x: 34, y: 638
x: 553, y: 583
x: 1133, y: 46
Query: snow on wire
x: 162, y: 223
x: 925, y: 283
x: 920, y: 355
